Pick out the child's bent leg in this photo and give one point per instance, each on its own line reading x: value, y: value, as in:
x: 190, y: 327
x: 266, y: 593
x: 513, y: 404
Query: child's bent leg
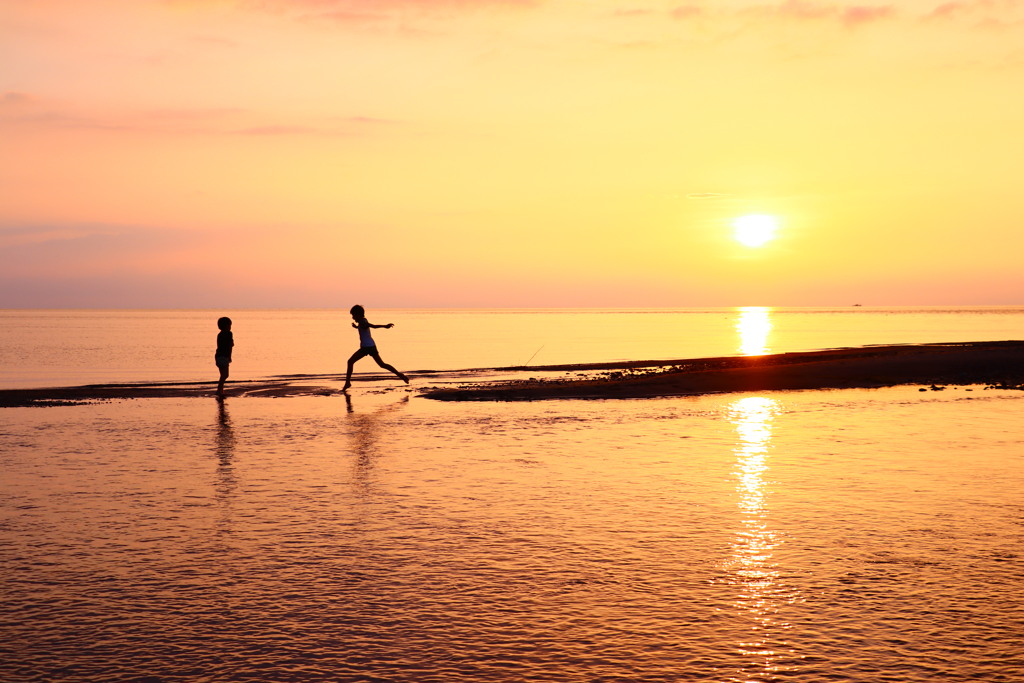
x: 381, y: 363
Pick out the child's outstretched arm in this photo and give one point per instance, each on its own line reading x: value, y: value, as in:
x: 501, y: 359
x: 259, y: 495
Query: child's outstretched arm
x: 388, y: 326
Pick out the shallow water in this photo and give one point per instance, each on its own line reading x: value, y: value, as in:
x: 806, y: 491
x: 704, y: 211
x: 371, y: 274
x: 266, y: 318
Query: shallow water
x: 808, y: 536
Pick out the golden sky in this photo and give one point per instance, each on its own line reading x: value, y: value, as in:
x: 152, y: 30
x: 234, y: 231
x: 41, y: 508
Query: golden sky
x: 315, y: 153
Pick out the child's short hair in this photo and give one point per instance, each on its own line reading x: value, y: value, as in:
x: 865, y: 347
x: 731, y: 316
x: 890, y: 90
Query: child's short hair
x: 224, y: 323
x: 358, y: 311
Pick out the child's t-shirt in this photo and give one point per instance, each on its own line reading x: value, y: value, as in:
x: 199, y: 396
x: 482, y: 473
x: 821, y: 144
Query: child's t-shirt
x: 225, y: 342
x: 365, y: 340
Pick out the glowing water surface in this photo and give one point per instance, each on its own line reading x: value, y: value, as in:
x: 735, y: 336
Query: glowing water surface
x: 812, y: 536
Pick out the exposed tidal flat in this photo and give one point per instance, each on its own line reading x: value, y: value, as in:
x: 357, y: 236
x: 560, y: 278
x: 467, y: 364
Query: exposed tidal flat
x: 848, y: 535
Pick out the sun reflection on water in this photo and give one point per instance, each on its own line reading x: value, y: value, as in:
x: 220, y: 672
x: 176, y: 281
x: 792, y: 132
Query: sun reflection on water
x: 752, y: 565
x: 754, y: 325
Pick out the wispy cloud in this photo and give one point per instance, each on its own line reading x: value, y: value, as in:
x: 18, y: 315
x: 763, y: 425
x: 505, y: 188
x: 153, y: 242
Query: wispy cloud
x: 347, y: 17
x: 280, y: 131
x: 633, y: 12
x: 217, y: 42
x: 802, y: 10
x: 758, y: 13
x: 363, y: 12
x: 998, y: 14
x: 368, y: 120
x: 54, y: 265
x: 983, y: 13
x: 86, y: 248
x: 189, y: 115
x: 371, y: 6
x: 40, y: 113
x: 857, y: 15
x: 17, y: 236
x: 687, y: 12
x: 24, y: 111
x: 11, y: 99
x: 53, y: 119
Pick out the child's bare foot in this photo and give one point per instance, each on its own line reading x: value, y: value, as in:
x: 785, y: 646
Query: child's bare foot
x: 346, y: 387
x: 403, y: 378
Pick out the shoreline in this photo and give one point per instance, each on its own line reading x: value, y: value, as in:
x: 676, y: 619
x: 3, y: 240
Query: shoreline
x: 969, y: 363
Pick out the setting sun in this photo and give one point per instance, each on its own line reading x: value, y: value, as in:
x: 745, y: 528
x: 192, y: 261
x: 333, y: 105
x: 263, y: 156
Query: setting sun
x: 755, y: 230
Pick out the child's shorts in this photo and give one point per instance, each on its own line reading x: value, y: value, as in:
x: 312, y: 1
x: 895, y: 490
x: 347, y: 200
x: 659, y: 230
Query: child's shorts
x: 222, y: 361
x: 365, y: 351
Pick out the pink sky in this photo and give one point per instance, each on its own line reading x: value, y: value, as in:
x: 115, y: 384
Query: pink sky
x: 235, y: 153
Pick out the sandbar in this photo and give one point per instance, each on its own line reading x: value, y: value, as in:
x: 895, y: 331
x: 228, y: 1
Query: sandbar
x: 997, y: 364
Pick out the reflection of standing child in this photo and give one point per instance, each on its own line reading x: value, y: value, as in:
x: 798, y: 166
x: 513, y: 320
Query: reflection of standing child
x: 367, y: 347
x: 225, y: 342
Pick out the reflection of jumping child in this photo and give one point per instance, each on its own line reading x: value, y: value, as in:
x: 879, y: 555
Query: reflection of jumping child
x: 225, y: 342
x: 367, y: 347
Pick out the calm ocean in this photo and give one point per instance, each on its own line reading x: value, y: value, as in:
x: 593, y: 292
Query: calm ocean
x: 847, y: 535
x: 74, y: 347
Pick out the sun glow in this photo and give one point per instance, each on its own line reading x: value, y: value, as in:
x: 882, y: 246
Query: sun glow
x: 755, y: 230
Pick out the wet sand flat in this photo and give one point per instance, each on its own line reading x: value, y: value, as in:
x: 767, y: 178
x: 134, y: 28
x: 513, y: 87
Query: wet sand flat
x: 998, y: 363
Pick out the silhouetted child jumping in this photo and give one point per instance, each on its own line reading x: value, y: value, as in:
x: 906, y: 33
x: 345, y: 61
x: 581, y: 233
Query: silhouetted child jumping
x: 367, y: 347
x: 225, y: 342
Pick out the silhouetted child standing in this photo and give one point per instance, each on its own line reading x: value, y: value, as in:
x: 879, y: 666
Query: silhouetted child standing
x: 225, y: 342
x: 367, y: 347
